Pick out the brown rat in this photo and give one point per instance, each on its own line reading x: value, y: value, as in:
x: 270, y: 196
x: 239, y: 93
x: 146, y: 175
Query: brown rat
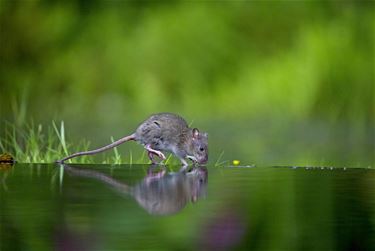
x: 164, y: 132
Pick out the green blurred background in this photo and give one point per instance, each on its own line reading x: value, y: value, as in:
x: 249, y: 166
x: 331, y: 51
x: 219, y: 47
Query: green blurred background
x: 280, y: 83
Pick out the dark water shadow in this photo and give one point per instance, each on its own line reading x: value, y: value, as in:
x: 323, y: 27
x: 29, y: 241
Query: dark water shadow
x: 159, y: 192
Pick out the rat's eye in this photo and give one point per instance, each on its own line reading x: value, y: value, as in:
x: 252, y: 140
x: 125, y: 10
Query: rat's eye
x: 201, y: 149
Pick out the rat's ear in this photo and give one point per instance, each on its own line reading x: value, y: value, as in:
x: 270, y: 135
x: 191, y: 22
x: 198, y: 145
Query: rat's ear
x: 195, y: 133
x: 205, y: 135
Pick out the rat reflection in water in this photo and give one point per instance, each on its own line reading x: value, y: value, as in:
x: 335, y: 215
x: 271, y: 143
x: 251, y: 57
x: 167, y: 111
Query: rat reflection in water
x: 158, y: 193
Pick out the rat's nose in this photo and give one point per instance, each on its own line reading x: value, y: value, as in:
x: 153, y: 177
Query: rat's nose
x: 203, y: 161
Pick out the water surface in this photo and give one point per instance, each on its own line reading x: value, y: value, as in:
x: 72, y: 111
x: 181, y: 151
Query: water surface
x: 138, y: 207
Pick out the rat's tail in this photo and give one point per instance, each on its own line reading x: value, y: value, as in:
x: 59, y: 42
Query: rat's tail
x: 99, y: 150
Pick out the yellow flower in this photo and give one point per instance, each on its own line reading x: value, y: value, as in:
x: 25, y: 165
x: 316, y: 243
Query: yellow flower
x: 236, y: 162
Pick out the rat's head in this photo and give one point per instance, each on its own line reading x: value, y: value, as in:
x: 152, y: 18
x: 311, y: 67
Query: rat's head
x: 199, y: 146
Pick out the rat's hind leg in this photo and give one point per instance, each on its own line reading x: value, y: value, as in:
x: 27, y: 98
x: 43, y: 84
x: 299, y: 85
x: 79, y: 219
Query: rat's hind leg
x: 153, y: 151
x: 151, y: 157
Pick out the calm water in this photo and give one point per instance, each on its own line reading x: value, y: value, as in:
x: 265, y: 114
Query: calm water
x: 102, y: 207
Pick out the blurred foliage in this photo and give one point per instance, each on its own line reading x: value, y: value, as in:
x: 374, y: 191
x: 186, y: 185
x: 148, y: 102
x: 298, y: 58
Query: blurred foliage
x: 111, y: 63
